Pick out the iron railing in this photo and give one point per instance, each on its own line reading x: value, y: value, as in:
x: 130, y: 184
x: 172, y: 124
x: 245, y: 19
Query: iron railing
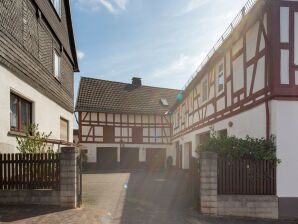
x: 244, y: 11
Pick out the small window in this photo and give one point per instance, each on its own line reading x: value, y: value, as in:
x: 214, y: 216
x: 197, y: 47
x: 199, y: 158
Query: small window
x: 57, y: 6
x: 220, y: 78
x: 64, y: 126
x: 20, y: 113
x: 205, y: 90
x: 222, y: 133
x: 164, y: 102
x: 56, y: 64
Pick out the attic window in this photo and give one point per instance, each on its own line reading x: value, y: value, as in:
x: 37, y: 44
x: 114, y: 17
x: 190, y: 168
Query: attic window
x: 164, y: 102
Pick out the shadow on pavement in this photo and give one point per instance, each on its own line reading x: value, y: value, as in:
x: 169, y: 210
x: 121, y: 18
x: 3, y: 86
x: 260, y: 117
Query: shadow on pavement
x: 11, y: 213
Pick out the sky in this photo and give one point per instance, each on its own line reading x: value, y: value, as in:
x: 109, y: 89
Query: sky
x: 161, y: 41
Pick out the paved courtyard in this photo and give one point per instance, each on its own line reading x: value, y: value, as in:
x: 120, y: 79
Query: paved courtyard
x: 125, y: 198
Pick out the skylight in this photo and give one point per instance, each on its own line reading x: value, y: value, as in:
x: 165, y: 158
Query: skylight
x: 164, y: 102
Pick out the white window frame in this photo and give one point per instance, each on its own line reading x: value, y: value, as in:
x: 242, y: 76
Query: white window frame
x: 220, y: 74
x: 207, y: 94
x: 57, y: 6
x: 57, y: 70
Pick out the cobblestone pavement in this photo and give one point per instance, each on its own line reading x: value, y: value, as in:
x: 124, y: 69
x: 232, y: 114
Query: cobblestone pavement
x: 125, y: 198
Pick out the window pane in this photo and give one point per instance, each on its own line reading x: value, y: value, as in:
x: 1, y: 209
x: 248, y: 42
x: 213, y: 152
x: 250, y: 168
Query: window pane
x: 56, y: 64
x: 25, y: 114
x: 205, y: 91
x: 13, y: 111
x: 220, y: 82
x: 57, y: 4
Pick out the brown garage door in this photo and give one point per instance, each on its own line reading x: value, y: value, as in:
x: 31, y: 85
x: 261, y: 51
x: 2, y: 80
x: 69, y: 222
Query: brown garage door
x: 155, y: 159
x: 129, y: 158
x: 106, y: 158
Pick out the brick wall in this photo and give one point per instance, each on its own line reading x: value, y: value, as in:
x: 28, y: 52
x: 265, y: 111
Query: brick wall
x: 256, y: 206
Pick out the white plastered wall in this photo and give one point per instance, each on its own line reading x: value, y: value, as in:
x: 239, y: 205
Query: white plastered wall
x: 251, y: 122
x: 92, y: 150
x: 284, y: 123
x: 46, y: 112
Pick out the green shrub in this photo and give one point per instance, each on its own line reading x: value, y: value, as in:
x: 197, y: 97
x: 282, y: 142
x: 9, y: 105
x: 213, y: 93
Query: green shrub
x: 232, y: 147
x: 33, y: 141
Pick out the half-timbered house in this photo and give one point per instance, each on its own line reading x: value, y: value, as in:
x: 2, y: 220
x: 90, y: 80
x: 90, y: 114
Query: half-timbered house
x: 124, y: 125
x: 248, y: 85
x: 37, y: 62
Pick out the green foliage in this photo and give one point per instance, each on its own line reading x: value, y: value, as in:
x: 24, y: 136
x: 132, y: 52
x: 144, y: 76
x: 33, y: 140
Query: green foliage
x: 237, y: 148
x: 34, y: 141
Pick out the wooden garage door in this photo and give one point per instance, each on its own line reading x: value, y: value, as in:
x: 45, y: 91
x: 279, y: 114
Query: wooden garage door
x: 155, y: 159
x: 106, y: 158
x: 129, y: 158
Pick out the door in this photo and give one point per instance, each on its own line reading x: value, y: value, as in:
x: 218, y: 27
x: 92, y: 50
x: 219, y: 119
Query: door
x: 155, y: 159
x: 129, y: 158
x: 106, y: 158
x: 179, y: 157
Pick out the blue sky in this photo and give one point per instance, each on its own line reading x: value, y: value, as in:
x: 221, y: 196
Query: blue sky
x: 161, y: 41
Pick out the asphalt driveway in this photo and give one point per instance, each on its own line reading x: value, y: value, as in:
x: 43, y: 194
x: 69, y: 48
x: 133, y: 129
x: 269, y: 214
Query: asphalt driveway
x: 125, y: 198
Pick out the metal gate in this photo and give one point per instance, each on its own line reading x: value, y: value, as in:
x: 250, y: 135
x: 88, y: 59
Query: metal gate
x: 79, y: 179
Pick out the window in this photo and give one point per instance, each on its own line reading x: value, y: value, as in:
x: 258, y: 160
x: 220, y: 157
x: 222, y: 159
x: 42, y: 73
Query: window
x: 205, y: 90
x: 164, y: 102
x: 64, y: 134
x: 20, y: 113
x: 56, y: 64
x: 222, y: 133
x: 220, y: 78
x: 57, y: 6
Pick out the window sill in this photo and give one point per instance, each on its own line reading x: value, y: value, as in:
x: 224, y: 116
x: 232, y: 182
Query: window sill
x: 16, y: 133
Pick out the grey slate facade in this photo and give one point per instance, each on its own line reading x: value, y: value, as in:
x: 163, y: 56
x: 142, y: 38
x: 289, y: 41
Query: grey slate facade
x: 29, y: 32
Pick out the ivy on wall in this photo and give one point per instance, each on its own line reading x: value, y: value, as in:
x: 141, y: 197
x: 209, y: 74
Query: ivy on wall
x: 231, y: 147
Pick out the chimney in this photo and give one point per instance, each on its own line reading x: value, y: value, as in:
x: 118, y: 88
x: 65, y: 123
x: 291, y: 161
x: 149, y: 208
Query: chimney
x: 136, y: 82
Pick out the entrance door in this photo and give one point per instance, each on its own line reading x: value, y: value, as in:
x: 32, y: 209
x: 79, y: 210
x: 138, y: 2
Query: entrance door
x: 106, y: 158
x: 155, y: 159
x: 129, y: 158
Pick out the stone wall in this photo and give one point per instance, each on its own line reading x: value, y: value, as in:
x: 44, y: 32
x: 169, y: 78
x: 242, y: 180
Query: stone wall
x: 256, y: 206
x: 65, y: 197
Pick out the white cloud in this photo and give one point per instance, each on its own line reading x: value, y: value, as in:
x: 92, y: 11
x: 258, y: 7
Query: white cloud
x: 113, y: 6
x: 193, y: 5
x: 121, y: 3
x: 180, y: 69
x: 108, y: 5
x: 80, y: 54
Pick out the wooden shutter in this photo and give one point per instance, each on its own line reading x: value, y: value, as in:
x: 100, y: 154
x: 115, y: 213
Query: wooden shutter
x: 64, y: 130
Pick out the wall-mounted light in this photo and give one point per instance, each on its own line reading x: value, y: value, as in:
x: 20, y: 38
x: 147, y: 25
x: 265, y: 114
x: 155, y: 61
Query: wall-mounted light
x: 230, y: 124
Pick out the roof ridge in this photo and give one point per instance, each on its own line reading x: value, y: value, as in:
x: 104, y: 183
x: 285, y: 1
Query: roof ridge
x: 84, y: 77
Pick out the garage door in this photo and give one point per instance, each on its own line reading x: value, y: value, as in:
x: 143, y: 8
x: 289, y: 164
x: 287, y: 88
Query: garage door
x: 129, y: 158
x: 106, y: 158
x: 155, y: 159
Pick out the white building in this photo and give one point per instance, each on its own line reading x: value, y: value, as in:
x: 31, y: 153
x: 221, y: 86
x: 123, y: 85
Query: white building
x: 37, y: 62
x: 124, y: 125
x: 249, y: 86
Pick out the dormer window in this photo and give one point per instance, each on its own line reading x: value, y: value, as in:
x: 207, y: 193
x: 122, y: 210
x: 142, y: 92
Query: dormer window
x: 57, y: 6
x: 164, y: 102
x: 56, y: 64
